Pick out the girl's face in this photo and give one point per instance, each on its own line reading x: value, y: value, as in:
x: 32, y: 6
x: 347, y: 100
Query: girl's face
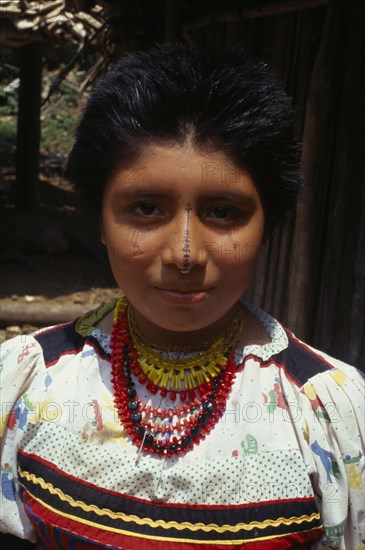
x: 178, y: 209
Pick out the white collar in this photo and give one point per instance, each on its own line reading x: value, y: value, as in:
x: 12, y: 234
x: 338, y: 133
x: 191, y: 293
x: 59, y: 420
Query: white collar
x: 278, y: 336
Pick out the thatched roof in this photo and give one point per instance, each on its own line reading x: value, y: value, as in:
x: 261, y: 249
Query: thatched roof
x: 113, y: 27
x: 22, y: 22
x: 76, y: 22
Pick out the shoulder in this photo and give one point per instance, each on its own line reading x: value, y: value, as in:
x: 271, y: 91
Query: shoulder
x: 70, y: 338
x: 47, y: 343
x: 304, y: 362
x: 26, y: 358
x: 58, y: 341
x: 316, y: 367
x: 54, y: 342
x: 19, y: 353
x: 300, y: 361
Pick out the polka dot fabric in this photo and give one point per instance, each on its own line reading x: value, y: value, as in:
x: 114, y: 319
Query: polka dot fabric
x: 285, y: 462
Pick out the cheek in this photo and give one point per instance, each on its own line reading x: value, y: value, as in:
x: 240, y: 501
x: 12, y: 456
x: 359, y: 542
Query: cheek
x: 239, y: 250
x: 126, y: 247
x: 122, y: 255
x: 252, y: 244
x: 249, y: 253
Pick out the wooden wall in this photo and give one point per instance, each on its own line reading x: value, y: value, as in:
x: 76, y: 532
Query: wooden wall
x: 312, y: 274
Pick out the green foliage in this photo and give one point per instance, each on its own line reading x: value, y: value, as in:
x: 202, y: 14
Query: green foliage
x: 8, y: 107
x: 9, y: 74
x: 8, y: 140
x: 8, y: 102
x: 57, y: 136
x: 58, y: 119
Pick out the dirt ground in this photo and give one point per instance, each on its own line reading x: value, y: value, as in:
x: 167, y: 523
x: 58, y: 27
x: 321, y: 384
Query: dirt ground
x: 53, y: 267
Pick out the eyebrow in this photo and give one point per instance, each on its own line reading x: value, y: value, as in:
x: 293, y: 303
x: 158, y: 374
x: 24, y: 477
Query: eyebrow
x: 148, y: 192
x: 126, y: 192
x: 232, y: 197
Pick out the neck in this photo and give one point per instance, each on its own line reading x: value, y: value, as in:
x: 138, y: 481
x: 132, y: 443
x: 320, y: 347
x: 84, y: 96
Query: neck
x: 254, y: 333
x: 199, y: 339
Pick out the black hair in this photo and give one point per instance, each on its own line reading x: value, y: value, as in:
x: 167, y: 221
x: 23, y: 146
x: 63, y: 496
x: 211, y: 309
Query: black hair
x: 225, y: 100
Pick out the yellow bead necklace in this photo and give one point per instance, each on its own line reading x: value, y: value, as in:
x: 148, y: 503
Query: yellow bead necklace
x: 171, y: 369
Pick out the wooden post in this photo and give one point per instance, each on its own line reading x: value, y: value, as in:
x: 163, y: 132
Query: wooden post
x: 29, y: 127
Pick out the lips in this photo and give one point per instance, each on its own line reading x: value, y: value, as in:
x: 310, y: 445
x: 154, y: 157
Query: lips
x: 184, y: 296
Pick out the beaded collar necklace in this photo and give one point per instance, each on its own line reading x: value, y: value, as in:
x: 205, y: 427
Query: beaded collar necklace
x: 174, y: 371
x: 162, y: 431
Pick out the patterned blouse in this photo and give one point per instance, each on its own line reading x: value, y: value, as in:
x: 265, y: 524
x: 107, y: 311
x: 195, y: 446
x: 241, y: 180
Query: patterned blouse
x: 282, y: 468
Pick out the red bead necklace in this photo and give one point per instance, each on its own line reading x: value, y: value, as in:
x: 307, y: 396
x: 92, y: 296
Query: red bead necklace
x: 151, y: 428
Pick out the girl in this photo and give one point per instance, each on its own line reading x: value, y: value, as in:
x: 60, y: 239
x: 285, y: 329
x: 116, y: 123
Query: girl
x: 179, y: 416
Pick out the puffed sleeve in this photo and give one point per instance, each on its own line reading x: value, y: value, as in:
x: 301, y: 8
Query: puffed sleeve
x: 334, y: 429
x: 21, y: 361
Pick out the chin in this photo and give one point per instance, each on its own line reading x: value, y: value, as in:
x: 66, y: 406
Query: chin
x: 182, y: 322
x: 183, y: 326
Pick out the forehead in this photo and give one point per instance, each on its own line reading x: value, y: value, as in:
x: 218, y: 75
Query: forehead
x: 179, y: 165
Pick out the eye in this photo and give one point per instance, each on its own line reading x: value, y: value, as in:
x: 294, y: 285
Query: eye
x: 225, y: 213
x: 146, y: 209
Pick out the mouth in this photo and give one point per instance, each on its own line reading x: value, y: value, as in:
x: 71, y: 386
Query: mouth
x: 182, y: 297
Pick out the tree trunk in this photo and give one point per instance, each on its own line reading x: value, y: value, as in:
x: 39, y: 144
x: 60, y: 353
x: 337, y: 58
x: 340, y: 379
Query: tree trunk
x: 29, y: 127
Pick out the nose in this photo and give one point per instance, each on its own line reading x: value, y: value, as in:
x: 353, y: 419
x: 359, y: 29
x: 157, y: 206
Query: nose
x: 184, y: 241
